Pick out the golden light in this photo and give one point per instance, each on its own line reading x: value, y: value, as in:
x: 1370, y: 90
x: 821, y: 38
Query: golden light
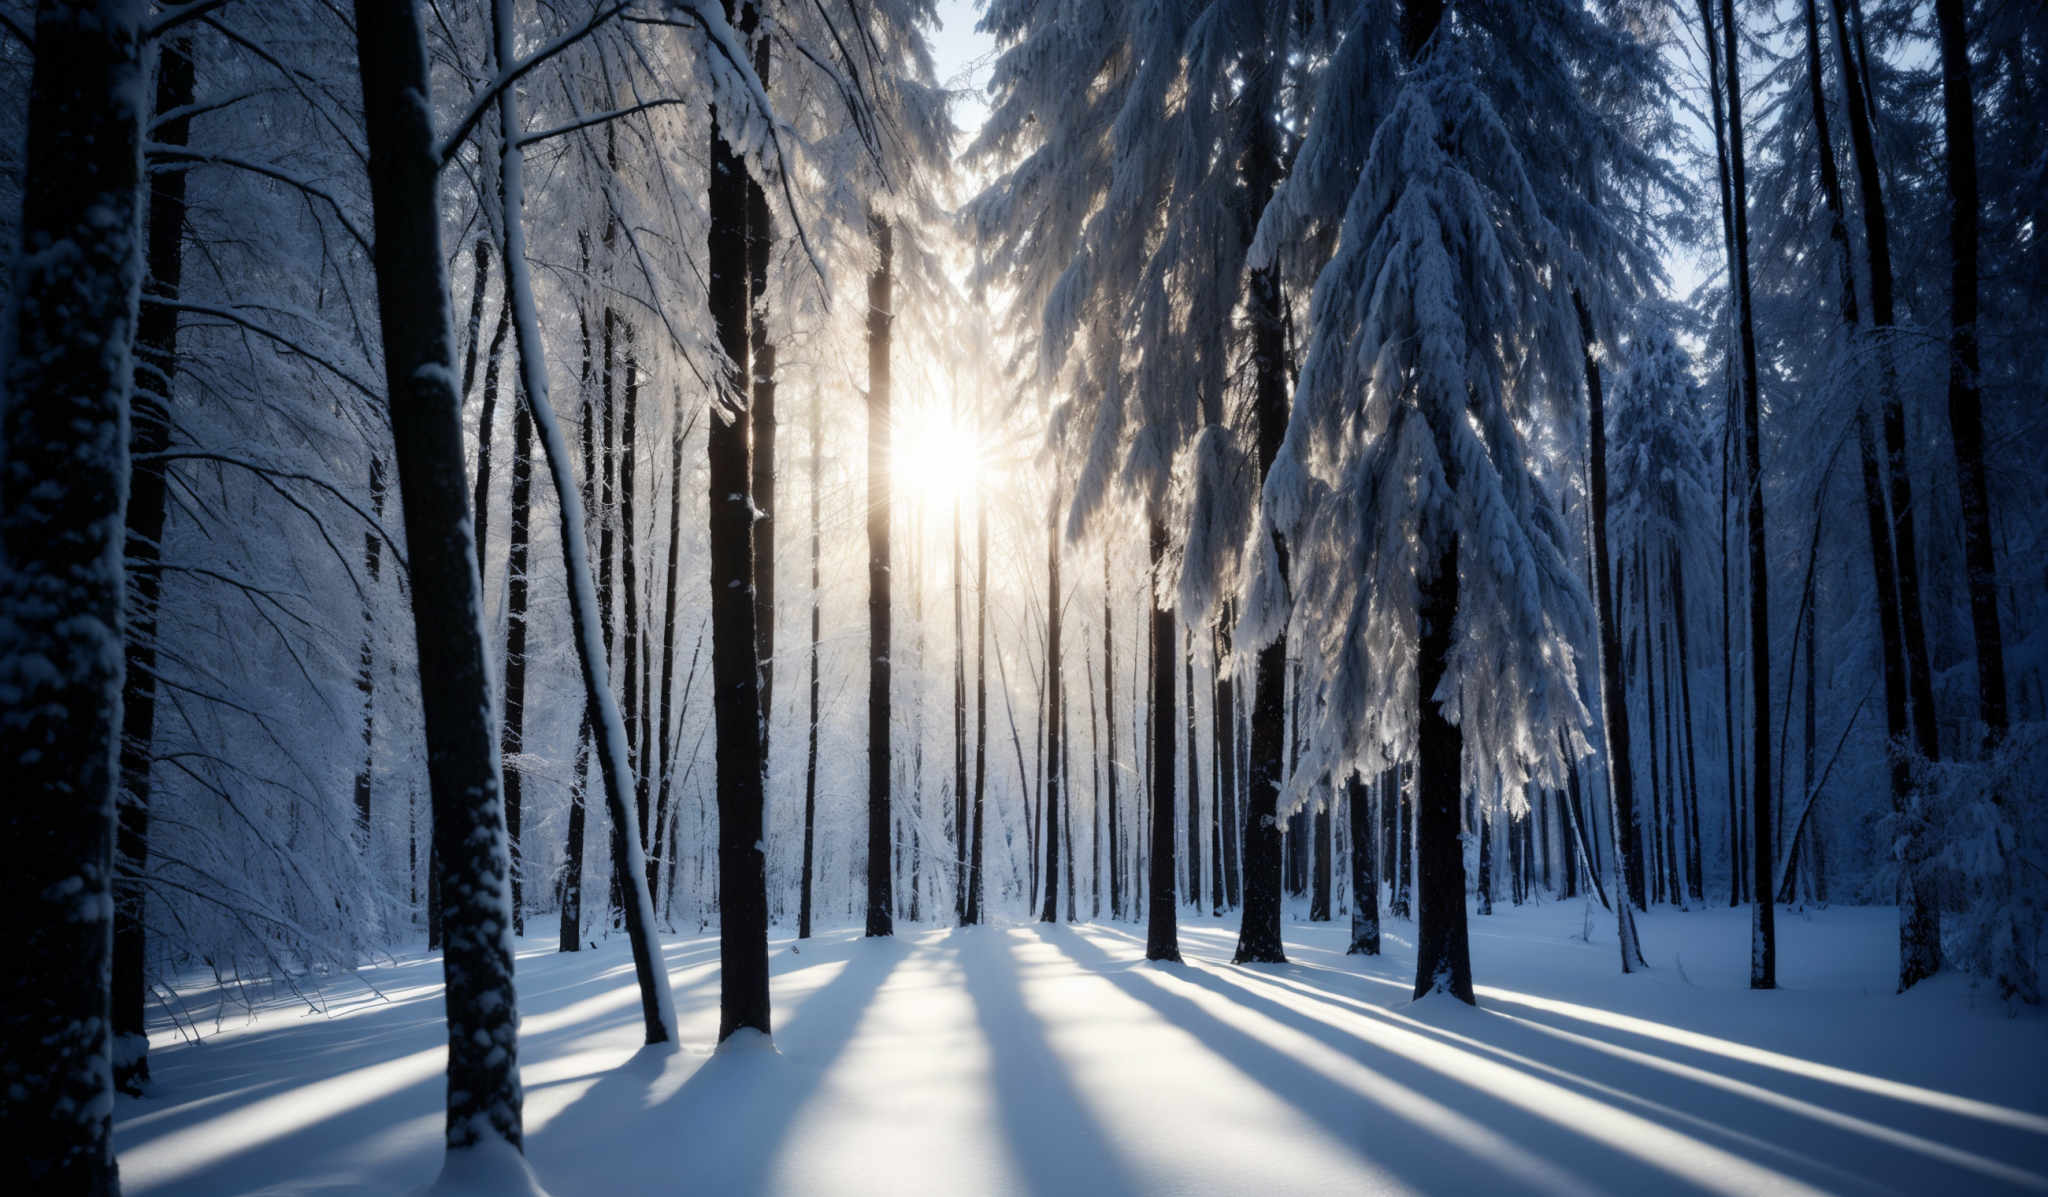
x: 938, y: 459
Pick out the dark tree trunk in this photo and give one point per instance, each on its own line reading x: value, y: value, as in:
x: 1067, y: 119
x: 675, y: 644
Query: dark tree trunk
x: 960, y: 849
x: 1695, y: 879
x: 1365, y: 881
x: 64, y: 475
x: 805, y: 891
x: 607, y: 544
x: 1325, y: 846
x: 1055, y: 776
x: 1763, y: 965
x: 1224, y: 729
x: 486, y: 424
x: 1717, y: 97
x: 571, y: 934
x: 736, y: 703
x: 667, y: 731
x: 1116, y: 871
x: 1404, y: 845
x: 513, y: 736
x: 1898, y: 473
x: 1658, y: 823
x: 632, y: 706
x: 760, y: 245
x: 154, y: 375
x: 1613, y: 685
x: 2014, y: 951
x: 1485, y: 894
x: 974, y: 862
x: 881, y: 920
x: 1965, y: 400
x: 426, y: 424
x: 1194, y: 823
x: 1162, y: 933
x: 1443, y: 962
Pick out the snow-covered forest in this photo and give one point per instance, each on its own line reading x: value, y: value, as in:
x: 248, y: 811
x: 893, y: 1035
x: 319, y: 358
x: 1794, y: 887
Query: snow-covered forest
x: 1024, y: 596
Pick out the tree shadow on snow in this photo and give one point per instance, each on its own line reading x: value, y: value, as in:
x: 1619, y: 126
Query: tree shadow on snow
x: 1056, y: 1144
x: 669, y: 1121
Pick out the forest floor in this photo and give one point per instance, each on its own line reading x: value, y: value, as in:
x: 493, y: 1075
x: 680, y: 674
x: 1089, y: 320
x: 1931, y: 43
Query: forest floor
x: 1055, y: 1060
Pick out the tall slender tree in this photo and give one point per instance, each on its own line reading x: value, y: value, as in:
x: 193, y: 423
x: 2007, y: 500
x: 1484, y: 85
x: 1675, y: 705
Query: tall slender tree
x: 155, y: 377
x: 881, y: 902
x: 484, y: 1099
x: 735, y: 673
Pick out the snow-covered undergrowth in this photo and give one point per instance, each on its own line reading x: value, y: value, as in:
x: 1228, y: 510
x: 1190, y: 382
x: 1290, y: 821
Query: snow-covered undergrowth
x: 1055, y: 1060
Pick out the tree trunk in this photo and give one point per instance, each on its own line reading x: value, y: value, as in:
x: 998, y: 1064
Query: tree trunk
x: 1320, y: 882
x: 1365, y: 882
x: 64, y: 477
x: 486, y: 424
x: 1613, y: 685
x: 1965, y: 401
x: 512, y: 736
x: 1194, y: 808
x: 1116, y: 871
x: 959, y: 723
x: 1443, y: 962
x: 880, y: 882
x: 1763, y: 965
x: 760, y: 246
x: 806, y: 891
x: 1223, y: 730
x: 2013, y: 953
x: 657, y: 1010
x: 632, y: 707
x: 153, y: 377
x: 1485, y: 894
x: 667, y: 730
x: 1054, y: 775
x: 426, y: 424
x: 736, y: 679
x: 1695, y: 879
x: 975, y: 907
x: 1162, y: 934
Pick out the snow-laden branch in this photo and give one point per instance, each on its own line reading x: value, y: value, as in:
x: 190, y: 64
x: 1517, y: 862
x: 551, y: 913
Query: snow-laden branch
x: 499, y: 86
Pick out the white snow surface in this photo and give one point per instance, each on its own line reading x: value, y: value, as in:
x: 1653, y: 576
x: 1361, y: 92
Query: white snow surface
x: 1055, y: 1060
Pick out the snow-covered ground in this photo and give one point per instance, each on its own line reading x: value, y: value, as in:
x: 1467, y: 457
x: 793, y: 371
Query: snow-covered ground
x: 1055, y: 1060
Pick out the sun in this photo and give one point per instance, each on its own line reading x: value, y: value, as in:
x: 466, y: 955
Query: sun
x: 938, y: 459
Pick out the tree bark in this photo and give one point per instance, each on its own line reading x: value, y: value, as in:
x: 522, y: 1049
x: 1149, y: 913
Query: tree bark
x: 2013, y: 953
x: 629, y: 869
x: 64, y: 477
x: 881, y: 918
x: 974, y: 860
x: 1162, y: 933
x: 1365, y: 882
x: 513, y: 735
x: 736, y: 679
x: 426, y: 421
x: 1763, y: 965
x: 153, y: 378
x: 1116, y: 871
x: 761, y: 414
x: 1055, y: 776
x: 806, y: 890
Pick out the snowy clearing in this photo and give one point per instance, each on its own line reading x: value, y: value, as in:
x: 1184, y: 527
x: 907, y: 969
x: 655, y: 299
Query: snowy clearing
x: 1031, y: 1059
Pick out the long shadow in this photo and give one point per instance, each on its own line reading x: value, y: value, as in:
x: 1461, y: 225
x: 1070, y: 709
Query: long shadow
x: 1694, y: 1094
x: 722, y: 1127
x: 1398, y: 1133
x: 1889, y: 1133
x: 310, y: 1084
x: 1591, y: 1078
x: 1057, y: 1146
